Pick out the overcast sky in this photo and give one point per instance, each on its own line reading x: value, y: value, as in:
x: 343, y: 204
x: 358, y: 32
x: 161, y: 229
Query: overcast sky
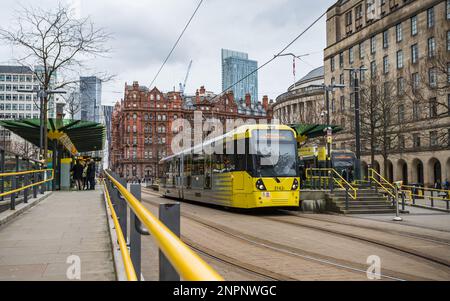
x: 145, y: 30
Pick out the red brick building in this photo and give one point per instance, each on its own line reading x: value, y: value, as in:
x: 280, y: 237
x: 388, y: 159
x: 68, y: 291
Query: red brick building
x: 142, y: 123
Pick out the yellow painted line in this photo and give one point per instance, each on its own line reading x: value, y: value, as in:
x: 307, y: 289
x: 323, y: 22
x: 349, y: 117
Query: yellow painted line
x: 128, y: 264
x: 186, y: 262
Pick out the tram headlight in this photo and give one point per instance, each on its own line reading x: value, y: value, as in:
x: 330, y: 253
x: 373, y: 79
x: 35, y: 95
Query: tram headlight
x: 295, y: 185
x: 260, y: 185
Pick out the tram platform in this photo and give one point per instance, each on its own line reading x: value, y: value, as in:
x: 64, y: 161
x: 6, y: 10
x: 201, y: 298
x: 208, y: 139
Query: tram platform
x: 50, y: 238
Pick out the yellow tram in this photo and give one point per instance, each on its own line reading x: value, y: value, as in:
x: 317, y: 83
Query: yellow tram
x: 253, y: 166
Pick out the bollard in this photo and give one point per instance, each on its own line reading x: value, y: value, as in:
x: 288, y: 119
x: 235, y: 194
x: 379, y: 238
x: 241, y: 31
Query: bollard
x: 135, y: 233
x: 403, y: 201
x: 414, y: 196
x: 12, y: 205
x: 346, y: 198
x: 35, y: 188
x: 432, y: 199
x: 25, y: 192
x: 169, y: 214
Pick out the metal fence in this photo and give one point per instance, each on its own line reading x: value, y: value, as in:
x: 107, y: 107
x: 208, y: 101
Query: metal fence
x: 176, y: 260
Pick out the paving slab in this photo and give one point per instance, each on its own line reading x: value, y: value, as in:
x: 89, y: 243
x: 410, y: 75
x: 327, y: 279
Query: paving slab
x: 38, y: 244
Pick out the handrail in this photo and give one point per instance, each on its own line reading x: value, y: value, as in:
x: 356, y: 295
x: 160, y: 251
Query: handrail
x: 353, y: 195
x: 30, y: 185
x: 371, y: 176
x: 410, y: 188
x: 187, y: 263
x: 128, y: 264
x: 21, y: 173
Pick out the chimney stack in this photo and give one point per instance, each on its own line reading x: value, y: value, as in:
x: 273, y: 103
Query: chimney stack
x: 265, y: 102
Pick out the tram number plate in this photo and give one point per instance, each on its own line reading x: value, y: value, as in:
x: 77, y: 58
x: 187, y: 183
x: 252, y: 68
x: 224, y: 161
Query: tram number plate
x: 279, y: 188
x: 266, y: 194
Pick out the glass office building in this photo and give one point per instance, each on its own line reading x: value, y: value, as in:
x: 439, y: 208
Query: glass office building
x: 90, y: 98
x: 236, y: 66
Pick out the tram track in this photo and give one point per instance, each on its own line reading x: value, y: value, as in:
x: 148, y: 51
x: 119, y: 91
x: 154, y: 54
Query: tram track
x: 376, y: 242
x: 290, y: 251
x: 445, y: 242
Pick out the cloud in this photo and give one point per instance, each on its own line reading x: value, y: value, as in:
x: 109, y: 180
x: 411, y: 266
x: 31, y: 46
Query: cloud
x: 145, y: 30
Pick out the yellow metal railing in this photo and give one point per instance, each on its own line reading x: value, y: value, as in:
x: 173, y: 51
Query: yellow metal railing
x: 331, y: 173
x: 186, y: 262
x: 445, y: 194
x: 22, y: 173
x: 129, y: 268
x: 384, y: 184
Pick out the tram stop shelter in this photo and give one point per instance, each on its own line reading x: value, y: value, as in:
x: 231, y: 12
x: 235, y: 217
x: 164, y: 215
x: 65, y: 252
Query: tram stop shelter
x: 66, y: 140
x: 311, y: 131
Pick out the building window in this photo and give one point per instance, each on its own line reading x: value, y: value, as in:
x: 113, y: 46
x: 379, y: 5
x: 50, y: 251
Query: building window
x: 414, y: 53
x: 386, y: 65
x: 416, y: 110
x: 431, y: 47
x: 385, y: 39
x: 341, y: 79
x: 416, y: 140
x: 448, y: 10
x: 361, y: 50
x: 342, y: 104
x: 373, y: 69
x: 400, y: 86
x: 414, y: 26
x: 430, y: 17
x: 432, y: 76
x: 362, y: 74
x: 448, y: 40
x: 415, y: 81
x: 341, y: 60
x: 373, y: 45
x: 401, y: 113
x: 351, y: 57
x: 332, y: 63
x: 399, y: 32
x: 399, y: 59
x: 434, y: 138
x: 433, y: 108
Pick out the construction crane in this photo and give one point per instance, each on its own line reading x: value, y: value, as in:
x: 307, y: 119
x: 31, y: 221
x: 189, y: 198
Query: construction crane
x: 183, y: 85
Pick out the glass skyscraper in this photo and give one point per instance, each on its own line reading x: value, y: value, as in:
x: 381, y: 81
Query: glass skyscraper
x: 90, y: 98
x: 236, y: 66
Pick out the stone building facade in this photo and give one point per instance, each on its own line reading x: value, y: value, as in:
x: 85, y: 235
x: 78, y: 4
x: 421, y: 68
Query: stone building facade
x: 142, y: 124
x: 303, y: 102
x: 406, y: 43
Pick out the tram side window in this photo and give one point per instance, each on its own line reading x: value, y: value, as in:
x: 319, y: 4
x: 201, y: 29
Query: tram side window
x: 188, y: 164
x: 241, y: 158
x: 218, y: 165
x: 198, y: 162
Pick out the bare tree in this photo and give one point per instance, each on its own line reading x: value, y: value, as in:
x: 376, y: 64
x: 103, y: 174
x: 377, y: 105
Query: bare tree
x: 57, y: 43
x: 383, y: 118
x: 428, y: 88
x: 72, y: 102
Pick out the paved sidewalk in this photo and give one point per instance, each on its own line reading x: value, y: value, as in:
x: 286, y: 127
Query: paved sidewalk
x: 419, y: 217
x: 37, y: 244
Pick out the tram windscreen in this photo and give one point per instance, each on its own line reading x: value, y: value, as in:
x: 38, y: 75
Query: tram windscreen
x: 274, y: 154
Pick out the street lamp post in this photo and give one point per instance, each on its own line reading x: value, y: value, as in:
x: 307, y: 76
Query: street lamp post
x: 354, y: 73
x: 329, y: 129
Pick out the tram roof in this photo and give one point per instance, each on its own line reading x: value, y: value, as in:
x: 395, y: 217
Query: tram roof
x: 238, y: 133
x: 77, y: 136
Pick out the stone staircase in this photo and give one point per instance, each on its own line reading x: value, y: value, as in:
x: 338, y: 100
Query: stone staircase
x: 368, y: 202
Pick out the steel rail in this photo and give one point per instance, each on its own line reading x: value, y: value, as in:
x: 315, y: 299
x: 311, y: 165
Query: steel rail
x: 128, y: 264
x: 185, y: 261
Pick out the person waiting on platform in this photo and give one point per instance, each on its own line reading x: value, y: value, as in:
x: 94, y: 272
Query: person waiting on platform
x: 91, y: 175
x: 77, y: 170
x: 85, y: 178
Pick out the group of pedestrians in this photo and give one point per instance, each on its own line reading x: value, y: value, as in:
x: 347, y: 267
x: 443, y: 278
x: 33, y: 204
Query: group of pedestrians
x: 84, y: 175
